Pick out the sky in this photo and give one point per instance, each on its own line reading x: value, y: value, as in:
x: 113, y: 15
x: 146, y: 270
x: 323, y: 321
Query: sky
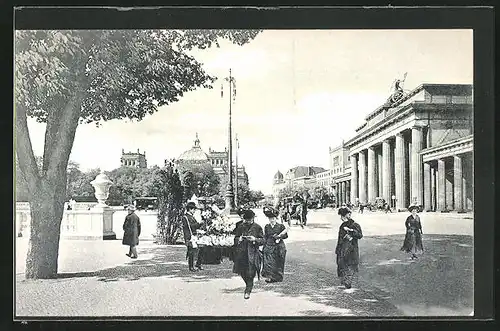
x: 299, y: 92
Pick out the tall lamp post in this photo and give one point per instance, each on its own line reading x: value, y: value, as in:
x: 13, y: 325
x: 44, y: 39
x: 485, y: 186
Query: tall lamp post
x: 230, y: 192
x: 236, y: 170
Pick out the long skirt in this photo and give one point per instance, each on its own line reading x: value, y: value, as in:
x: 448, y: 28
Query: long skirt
x: 413, y: 242
x: 274, y: 261
x: 346, y: 270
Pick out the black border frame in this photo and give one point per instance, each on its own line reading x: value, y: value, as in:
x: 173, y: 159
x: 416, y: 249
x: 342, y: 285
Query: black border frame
x: 481, y: 19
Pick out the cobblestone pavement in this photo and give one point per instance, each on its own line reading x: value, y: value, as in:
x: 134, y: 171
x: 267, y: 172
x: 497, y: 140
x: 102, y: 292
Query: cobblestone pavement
x: 97, y: 279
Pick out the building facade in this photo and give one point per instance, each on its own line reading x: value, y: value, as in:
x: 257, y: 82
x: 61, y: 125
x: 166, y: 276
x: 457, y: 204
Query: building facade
x: 132, y: 159
x: 341, y: 173
x: 297, y: 177
x: 218, y: 161
x: 418, y: 149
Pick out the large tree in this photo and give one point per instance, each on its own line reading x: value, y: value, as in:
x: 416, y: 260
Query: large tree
x: 63, y: 78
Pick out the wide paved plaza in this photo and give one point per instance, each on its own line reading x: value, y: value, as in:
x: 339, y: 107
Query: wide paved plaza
x: 97, y: 279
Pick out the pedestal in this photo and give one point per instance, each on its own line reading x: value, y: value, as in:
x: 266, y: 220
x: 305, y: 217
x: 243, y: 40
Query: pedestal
x: 105, y: 214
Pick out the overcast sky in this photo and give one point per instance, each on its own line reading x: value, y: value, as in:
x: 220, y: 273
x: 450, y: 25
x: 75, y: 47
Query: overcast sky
x: 298, y: 92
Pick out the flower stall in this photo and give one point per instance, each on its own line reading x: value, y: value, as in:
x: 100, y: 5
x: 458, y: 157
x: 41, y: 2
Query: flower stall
x: 217, y: 241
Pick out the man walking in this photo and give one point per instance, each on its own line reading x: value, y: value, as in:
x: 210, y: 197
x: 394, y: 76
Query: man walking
x: 189, y: 227
x: 131, y: 231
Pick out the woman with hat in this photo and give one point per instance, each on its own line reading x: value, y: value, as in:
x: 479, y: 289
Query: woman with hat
x: 131, y: 231
x: 347, y: 249
x: 248, y: 257
x: 413, y: 238
x: 274, y: 251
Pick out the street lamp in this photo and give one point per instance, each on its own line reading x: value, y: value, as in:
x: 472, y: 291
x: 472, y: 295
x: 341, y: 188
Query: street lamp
x: 230, y: 191
x: 236, y: 167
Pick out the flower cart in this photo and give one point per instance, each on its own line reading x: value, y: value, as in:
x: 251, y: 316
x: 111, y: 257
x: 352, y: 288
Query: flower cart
x: 216, y: 243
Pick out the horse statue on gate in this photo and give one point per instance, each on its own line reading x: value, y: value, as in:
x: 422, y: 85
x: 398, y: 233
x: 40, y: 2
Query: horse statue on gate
x: 397, y: 91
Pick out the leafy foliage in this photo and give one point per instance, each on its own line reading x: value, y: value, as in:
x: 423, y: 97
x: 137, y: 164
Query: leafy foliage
x: 199, y: 179
x: 63, y: 78
x: 170, y: 196
x: 123, y: 73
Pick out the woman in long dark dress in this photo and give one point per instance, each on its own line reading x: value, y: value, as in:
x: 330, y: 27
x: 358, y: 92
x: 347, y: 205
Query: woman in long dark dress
x: 274, y: 251
x: 413, y: 238
x: 347, y: 249
x: 248, y: 236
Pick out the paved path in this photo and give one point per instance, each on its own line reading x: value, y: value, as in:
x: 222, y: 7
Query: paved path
x: 158, y: 283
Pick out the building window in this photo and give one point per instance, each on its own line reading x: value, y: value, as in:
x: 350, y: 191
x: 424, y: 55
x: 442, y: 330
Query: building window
x: 335, y: 161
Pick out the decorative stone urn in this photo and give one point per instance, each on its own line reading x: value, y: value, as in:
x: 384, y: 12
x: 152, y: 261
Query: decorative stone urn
x: 101, y: 185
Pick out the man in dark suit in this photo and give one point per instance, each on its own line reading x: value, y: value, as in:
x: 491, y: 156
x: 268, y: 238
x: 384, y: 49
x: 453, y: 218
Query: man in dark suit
x: 189, y: 227
x: 131, y: 231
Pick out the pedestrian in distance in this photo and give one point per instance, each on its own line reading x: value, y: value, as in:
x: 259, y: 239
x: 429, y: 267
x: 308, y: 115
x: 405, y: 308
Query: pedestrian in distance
x: 248, y: 236
x: 131, y: 232
x: 274, y: 251
x: 413, y: 238
x: 347, y: 249
x: 189, y: 227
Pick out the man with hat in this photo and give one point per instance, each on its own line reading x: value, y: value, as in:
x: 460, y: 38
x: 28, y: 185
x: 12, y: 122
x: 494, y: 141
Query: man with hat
x: 131, y: 231
x: 189, y: 227
x: 347, y: 248
x: 248, y: 258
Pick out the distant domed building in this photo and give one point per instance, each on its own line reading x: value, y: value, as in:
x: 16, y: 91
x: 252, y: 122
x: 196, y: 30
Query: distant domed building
x: 217, y: 160
x: 278, y: 177
x: 278, y: 183
x: 195, y: 155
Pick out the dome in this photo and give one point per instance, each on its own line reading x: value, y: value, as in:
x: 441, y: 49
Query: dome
x: 195, y: 154
x: 278, y: 175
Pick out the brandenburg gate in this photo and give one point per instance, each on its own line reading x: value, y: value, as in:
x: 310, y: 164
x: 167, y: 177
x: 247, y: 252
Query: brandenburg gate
x: 417, y: 148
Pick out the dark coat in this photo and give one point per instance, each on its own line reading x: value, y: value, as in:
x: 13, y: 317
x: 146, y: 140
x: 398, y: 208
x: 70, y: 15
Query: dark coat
x: 413, y: 237
x: 132, y: 230
x: 247, y: 256
x: 185, y: 228
x: 348, y: 251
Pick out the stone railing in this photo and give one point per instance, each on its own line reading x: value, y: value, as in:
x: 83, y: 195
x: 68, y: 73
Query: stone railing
x: 82, y: 223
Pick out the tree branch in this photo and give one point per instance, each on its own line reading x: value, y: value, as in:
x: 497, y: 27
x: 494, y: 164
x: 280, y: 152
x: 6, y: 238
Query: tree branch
x: 24, y: 149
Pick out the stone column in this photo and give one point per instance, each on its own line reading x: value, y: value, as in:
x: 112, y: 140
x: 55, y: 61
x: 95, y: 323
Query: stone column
x: 427, y: 187
x: 399, y: 172
x: 354, y: 177
x: 340, y: 193
x: 386, y: 171
x: 416, y: 164
x: 379, y: 174
x: 337, y: 193
x: 362, y: 177
x: 347, y: 191
x: 457, y: 179
x: 372, y: 175
x: 343, y: 192
x: 464, y: 192
x: 433, y: 188
x: 441, y: 186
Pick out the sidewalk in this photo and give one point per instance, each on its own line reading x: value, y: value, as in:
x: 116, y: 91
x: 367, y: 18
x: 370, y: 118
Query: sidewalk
x: 97, y: 279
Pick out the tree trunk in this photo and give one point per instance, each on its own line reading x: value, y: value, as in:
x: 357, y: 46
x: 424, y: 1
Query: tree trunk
x: 47, y: 207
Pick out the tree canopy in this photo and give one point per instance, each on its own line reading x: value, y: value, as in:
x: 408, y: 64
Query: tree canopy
x: 67, y: 77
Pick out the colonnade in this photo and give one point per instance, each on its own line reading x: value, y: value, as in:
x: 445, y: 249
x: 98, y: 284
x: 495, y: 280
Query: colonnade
x: 390, y: 167
x: 342, y: 191
x: 448, y: 183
